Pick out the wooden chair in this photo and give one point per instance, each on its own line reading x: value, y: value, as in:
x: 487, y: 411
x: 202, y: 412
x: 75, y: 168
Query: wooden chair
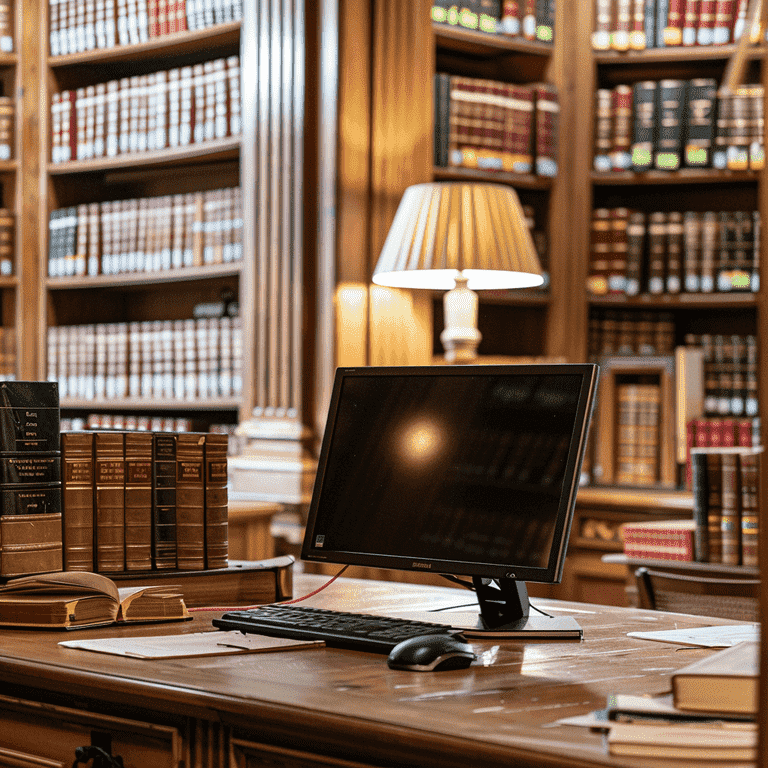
x: 725, y: 598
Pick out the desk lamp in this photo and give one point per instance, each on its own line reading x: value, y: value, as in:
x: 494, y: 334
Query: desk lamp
x: 459, y: 237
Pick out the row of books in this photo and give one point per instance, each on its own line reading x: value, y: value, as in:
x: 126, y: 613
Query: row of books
x: 726, y: 504
x: 170, y: 108
x: 633, y: 252
x: 134, y: 501
x: 638, y: 409
x: 617, y: 333
x: 77, y: 26
x: 635, y: 25
x: 145, y: 235
x: 173, y: 360
x: 730, y: 374
x: 670, y: 124
x: 528, y: 19
x: 7, y: 241
x: 496, y: 126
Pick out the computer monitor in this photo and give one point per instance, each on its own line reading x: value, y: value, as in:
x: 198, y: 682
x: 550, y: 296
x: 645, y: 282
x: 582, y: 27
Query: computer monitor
x: 468, y: 470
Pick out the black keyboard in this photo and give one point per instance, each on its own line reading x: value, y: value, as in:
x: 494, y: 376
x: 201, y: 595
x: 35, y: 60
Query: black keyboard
x: 358, y: 631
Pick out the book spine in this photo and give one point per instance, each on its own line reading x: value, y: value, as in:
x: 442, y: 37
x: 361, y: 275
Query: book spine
x: 109, y: 501
x: 190, y: 501
x: 621, y: 107
x: 603, y: 141
x: 216, y: 522
x: 620, y: 28
x: 77, y: 500
x: 749, y: 465
x: 668, y: 151
x: 714, y: 506
x: 700, y: 491
x: 644, y: 124
x: 724, y: 21
x: 675, y: 242
x: 730, y: 506
x: 138, y: 501
x: 164, y: 501
x: 699, y: 122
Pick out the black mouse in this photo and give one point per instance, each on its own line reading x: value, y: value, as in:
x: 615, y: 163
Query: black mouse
x: 431, y: 653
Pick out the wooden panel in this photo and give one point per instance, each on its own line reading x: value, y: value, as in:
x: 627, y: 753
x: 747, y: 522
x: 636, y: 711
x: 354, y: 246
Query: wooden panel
x: 46, y: 736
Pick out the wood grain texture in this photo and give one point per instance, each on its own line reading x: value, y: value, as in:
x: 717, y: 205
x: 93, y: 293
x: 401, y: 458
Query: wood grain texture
x: 325, y: 706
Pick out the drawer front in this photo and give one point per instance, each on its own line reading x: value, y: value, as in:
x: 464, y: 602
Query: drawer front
x: 36, y: 735
x: 250, y: 754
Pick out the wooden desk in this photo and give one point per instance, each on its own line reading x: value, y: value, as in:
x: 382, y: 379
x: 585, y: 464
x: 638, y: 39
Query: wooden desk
x: 330, y: 707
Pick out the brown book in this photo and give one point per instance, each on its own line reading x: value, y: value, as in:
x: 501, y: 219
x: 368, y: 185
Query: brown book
x: 109, y: 500
x: 730, y: 509
x: 216, y: 522
x: 749, y: 468
x: 675, y: 244
x: 691, y: 252
x: 714, y: 506
x: 77, y: 500
x: 603, y: 140
x: 600, y: 251
x: 190, y: 501
x: 657, y: 251
x: 621, y: 105
x: 138, y: 501
x: 70, y: 600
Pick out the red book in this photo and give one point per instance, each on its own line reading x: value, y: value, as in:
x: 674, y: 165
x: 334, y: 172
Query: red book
x: 673, y: 31
x: 705, y: 34
x: 690, y: 21
x: 660, y: 539
x: 724, y: 20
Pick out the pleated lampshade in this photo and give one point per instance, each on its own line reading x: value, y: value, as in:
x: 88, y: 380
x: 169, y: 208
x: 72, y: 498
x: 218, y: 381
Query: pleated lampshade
x: 444, y: 229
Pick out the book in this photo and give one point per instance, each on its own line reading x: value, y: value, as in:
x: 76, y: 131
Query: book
x: 138, y: 501
x: 109, y: 500
x: 726, y: 681
x: 73, y: 599
x: 668, y: 148
x: 714, y: 743
x: 660, y: 539
x: 164, y: 501
x: 30, y: 478
x: 77, y: 500
x: 242, y: 583
x: 216, y: 500
x: 190, y: 501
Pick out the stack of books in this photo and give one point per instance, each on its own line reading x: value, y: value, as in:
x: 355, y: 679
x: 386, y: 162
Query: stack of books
x: 496, y: 126
x: 671, y: 124
x: 179, y: 360
x: 634, y: 25
x: 615, y: 333
x: 527, y: 20
x: 86, y: 26
x: 148, y: 234
x: 633, y: 252
x: 160, y: 110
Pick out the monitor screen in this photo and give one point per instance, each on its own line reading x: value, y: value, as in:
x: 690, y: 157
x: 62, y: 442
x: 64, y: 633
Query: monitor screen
x: 464, y: 470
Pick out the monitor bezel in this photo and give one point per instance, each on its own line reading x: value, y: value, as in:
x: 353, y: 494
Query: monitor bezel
x: 551, y: 574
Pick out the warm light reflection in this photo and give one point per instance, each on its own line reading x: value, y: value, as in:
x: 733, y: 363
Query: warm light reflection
x: 422, y: 441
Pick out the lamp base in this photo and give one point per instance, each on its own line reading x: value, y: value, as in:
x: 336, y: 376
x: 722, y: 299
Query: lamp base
x: 460, y: 338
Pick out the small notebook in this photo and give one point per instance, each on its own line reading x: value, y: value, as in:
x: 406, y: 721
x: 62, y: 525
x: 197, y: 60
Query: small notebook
x: 194, y: 644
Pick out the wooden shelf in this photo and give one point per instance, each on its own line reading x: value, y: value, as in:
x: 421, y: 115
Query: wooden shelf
x: 8, y: 59
x: 9, y: 166
x: 167, y: 46
x: 674, y: 54
x: 677, y: 301
x: 145, y: 278
x: 484, y: 44
x: 518, y: 180
x: 711, y: 569
x: 144, y: 404
x: 217, y: 149
x: 653, y: 500
x: 9, y: 281
x: 683, y: 176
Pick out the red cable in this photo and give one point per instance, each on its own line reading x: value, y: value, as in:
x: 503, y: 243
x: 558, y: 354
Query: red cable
x: 285, y: 602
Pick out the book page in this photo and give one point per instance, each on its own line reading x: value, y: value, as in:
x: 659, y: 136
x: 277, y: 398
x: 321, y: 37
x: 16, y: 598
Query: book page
x: 194, y: 644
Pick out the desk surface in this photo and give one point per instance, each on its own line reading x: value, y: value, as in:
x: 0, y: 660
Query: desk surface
x: 499, y: 712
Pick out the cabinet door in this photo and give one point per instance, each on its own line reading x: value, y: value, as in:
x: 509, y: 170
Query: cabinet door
x: 35, y: 735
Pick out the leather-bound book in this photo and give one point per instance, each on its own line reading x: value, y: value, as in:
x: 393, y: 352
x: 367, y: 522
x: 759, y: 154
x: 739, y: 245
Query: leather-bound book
x: 700, y: 491
x: 749, y: 468
x: 673, y: 29
x: 644, y: 124
x: 675, y: 242
x: 657, y: 251
x: 699, y: 129
x: 109, y: 500
x: 730, y: 509
x: 190, y: 501
x: 638, y: 39
x: 621, y: 157
x: 138, y: 501
x: 668, y: 150
x: 622, y: 20
x: 77, y: 500
x: 636, y: 236
x: 714, y: 505
x: 164, y: 501
x: 30, y: 478
x: 216, y: 501
x: 725, y: 11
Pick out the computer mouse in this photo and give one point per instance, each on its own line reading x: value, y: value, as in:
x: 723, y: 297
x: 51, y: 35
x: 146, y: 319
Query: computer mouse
x: 432, y: 653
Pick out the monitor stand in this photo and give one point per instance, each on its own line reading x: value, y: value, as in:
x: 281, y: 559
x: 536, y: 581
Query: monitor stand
x: 505, y: 612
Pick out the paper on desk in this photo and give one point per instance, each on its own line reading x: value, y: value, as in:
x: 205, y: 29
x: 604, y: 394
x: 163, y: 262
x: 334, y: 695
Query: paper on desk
x: 195, y: 644
x: 704, y: 637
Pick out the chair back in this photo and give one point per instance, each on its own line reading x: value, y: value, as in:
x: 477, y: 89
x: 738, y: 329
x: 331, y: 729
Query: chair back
x: 736, y: 599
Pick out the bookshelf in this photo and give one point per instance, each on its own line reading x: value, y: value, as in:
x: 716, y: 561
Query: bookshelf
x: 145, y: 186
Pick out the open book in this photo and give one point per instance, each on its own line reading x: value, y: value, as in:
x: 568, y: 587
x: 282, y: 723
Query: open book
x: 74, y: 599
